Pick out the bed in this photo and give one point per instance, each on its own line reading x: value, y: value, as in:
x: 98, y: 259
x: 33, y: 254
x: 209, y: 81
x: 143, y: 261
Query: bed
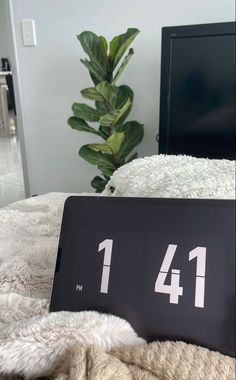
x: 67, y: 345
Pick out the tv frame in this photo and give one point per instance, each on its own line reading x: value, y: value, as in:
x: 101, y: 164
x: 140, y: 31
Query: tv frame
x: 168, y: 34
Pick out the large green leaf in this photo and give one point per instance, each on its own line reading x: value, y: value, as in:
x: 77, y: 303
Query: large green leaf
x: 107, y: 91
x: 119, y: 45
x: 96, y: 158
x: 94, y: 47
x: 92, y: 94
x: 99, y: 184
x: 104, y: 148
x: 104, y: 131
x: 95, y: 75
x: 115, y: 97
x: 83, y: 111
x: 102, y: 92
x: 133, y: 136
x: 113, y: 47
x: 112, y: 118
x: 104, y: 47
x: 115, y: 141
x: 112, y: 145
x: 106, y: 171
x: 122, y: 66
x: 122, y: 94
x: 81, y: 125
x: 102, y: 107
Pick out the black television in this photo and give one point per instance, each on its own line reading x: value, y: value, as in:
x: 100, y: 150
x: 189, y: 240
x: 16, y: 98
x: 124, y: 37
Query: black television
x: 197, y: 99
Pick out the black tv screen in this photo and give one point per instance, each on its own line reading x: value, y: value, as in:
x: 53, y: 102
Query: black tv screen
x: 197, y: 107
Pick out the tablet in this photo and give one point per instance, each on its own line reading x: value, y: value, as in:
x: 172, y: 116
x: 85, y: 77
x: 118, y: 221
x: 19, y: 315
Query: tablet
x: 165, y: 265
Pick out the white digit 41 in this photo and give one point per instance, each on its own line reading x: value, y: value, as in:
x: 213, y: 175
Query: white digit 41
x: 174, y: 290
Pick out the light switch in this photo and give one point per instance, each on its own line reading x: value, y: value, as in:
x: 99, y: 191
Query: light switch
x: 28, y: 32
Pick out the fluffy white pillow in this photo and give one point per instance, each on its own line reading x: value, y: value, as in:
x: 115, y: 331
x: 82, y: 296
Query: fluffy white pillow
x: 171, y: 176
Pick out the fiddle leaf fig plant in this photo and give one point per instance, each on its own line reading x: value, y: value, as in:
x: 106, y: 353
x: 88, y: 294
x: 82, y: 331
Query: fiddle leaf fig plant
x: 111, y: 108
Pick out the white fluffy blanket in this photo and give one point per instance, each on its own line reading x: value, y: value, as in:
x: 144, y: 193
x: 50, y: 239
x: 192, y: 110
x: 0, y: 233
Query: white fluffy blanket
x: 32, y: 341
x: 174, y: 177
x: 28, y: 245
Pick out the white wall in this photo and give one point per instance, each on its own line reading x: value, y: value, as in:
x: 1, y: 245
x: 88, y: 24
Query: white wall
x: 52, y: 76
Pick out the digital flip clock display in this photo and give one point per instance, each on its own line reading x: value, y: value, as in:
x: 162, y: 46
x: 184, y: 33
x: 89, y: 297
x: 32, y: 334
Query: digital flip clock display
x: 165, y: 265
x: 174, y: 290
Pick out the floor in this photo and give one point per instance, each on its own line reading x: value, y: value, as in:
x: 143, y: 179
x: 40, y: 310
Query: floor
x: 11, y: 175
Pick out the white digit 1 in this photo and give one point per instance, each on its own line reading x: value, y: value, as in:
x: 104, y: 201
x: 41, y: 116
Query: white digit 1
x: 107, y: 245
x: 174, y: 290
x: 200, y: 254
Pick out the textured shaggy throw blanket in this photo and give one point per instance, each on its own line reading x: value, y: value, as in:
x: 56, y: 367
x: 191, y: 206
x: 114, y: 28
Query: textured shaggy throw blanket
x: 163, y: 361
x: 159, y: 361
x: 174, y: 177
x: 33, y: 342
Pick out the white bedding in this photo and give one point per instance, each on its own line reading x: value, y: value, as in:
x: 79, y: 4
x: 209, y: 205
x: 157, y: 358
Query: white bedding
x: 174, y: 177
x: 31, y: 340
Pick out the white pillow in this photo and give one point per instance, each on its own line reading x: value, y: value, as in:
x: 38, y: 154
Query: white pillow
x: 171, y: 176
